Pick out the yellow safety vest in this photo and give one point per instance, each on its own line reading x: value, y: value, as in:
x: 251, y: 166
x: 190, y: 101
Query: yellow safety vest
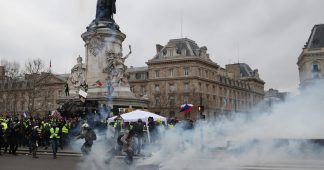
x: 4, y: 126
x: 54, y: 134
x: 65, y: 129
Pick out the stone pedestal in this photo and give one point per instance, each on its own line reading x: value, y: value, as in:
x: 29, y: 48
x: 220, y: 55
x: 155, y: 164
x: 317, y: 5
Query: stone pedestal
x: 103, y: 38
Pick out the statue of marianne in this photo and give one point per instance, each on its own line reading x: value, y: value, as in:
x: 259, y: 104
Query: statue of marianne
x: 105, y: 10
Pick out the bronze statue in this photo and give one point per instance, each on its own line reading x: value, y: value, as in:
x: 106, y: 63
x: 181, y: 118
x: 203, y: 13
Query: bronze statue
x: 105, y: 10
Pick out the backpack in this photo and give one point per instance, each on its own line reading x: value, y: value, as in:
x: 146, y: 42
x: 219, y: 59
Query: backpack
x: 119, y: 139
x: 93, y: 135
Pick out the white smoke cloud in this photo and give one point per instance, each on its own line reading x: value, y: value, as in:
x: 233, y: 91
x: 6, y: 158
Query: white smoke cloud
x: 238, y: 140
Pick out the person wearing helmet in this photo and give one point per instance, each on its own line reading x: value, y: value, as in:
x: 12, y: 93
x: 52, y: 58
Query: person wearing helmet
x: 89, y: 136
x: 34, y: 139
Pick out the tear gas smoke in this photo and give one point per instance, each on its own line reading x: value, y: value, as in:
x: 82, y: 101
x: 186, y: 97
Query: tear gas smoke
x: 285, y: 133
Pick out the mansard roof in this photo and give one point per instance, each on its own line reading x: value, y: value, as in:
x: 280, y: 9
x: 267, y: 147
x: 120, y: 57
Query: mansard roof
x: 183, y: 47
x: 316, y: 38
x: 245, y: 70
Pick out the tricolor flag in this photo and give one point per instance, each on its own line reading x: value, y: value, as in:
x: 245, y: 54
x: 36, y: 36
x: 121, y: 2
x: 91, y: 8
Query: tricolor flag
x: 98, y: 83
x: 186, y: 108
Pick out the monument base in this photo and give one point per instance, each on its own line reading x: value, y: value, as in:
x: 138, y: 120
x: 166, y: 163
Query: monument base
x: 120, y: 99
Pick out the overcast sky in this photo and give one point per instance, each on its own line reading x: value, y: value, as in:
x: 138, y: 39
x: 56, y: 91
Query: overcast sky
x: 266, y: 34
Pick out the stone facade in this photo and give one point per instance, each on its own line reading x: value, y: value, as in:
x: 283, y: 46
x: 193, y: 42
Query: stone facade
x: 21, y: 96
x: 181, y: 72
x: 311, y: 60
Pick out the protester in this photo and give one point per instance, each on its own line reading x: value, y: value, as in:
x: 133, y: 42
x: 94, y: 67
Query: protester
x: 54, y: 138
x: 34, y: 140
x: 89, y: 136
x: 1, y: 137
x: 138, y: 128
x: 127, y: 140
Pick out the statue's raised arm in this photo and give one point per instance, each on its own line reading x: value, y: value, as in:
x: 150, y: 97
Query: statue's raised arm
x: 130, y: 52
x: 105, y: 10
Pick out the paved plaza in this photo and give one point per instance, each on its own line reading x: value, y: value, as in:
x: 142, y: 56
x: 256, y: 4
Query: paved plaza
x: 45, y: 162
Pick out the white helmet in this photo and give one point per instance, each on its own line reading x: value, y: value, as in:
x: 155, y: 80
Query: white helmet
x: 36, y: 127
x: 85, y: 125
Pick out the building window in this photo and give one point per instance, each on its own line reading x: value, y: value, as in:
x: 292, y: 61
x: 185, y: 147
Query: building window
x: 132, y: 88
x: 157, y: 73
x: 315, y: 70
x: 171, y: 72
x: 199, y: 72
x: 171, y: 100
x: 59, y: 93
x: 186, y: 87
x: 206, y: 71
x: 143, y: 90
x: 315, y: 67
x: 157, y: 88
x: 172, y: 88
x: 186, y: 71
x: 186, y: 99
x: 144, y: 76
x: 137, y: 76
x: 157, y: 101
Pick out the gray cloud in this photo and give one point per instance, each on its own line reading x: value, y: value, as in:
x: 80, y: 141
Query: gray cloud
x: 268, y: 35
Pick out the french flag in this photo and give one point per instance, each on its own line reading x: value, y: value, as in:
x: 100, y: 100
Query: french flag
x: 186, y: 108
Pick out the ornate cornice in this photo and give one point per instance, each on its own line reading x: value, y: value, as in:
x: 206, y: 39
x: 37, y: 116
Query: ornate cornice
x: 181, y: 59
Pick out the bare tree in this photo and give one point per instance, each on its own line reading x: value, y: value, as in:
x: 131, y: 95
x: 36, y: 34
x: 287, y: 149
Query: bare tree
x: 37, y: 76
x: 12, y: 74
x: 12, y: 69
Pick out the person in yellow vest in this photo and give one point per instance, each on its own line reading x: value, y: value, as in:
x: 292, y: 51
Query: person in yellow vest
x: 1, y: 137
x: 54, y: 138
x: 65, y: 132
x: 118, y: 124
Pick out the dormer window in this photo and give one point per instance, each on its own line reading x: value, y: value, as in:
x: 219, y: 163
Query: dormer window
x: 315, y: 70
x: 315, y: 67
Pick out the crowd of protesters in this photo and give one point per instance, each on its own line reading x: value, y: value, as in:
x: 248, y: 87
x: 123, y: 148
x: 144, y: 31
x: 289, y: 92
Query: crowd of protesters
x: 133, y: 136
x: 33, y: 132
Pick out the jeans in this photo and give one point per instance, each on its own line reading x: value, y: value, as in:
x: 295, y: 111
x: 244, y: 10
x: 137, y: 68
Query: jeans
x: 139, y: 142
x: 54, y: 147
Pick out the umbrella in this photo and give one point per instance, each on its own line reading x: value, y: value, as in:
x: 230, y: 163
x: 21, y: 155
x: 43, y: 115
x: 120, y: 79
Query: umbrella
x: 186, y: 108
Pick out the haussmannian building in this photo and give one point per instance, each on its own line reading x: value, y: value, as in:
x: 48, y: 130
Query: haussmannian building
x: 182, y: 72
x: 21, y: 95
x: 311, y: 60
